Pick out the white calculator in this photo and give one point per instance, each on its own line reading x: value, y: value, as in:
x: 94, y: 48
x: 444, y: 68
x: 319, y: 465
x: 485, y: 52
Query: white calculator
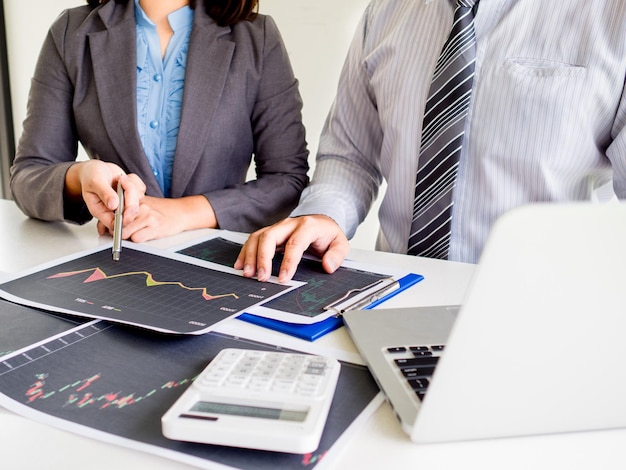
x: 267, y: 400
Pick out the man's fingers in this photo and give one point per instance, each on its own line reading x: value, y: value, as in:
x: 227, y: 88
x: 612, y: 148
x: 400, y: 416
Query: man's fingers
x: 267, y: 241
x: 297, y: 235
x: 258, y: 252
x: 337, y: 252
x: 304, y: 234
x: 246, y: 260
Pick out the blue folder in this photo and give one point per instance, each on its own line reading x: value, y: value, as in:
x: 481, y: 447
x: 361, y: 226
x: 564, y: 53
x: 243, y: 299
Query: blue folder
x: 313, y: 331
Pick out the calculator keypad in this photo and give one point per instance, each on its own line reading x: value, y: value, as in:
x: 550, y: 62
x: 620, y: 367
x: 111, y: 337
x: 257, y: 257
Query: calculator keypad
x: 285, y: 373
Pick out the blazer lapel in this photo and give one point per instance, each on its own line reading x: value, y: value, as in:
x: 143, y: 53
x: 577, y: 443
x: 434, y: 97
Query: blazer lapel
x: 208, y: 64
x: 115, y: 73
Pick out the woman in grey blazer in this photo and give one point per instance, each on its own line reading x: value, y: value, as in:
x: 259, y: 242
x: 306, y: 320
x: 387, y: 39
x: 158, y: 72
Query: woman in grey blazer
x: 182, y: 151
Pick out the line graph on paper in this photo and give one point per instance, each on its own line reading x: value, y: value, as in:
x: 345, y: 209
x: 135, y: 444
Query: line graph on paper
x: 309, y: 300
x: 142, y: 289
x: 98, y: 274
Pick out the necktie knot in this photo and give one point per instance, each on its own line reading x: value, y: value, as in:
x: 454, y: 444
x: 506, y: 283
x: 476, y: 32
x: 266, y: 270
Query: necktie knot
x: 466, y: 3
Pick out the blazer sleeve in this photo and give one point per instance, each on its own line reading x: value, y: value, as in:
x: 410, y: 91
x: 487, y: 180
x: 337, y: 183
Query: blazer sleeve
x: 280, y: 150
x: 48, y: 144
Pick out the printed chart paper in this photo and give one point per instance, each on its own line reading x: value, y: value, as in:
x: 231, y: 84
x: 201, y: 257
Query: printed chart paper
x: 152, y: 289
x: 307, y: 303
x: 113, y: 383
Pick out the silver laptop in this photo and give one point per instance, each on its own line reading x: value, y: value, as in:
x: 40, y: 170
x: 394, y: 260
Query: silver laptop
x: 538, y: 346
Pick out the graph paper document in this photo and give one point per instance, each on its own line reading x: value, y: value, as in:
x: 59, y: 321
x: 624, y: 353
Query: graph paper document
x: 113, y: 383
x: 354, y: 285
x: 148, y: 288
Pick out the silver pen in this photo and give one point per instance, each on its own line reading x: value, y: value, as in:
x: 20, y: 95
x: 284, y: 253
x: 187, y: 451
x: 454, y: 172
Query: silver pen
x: 370, y: 299
x: 117, y: 227
x: 389, y: 285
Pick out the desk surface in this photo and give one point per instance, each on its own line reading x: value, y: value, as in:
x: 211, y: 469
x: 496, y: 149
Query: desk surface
x: 380, y: 443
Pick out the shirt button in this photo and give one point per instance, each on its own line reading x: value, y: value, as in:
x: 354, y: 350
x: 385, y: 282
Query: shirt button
x: 157, y: 77
x: 154, y: 124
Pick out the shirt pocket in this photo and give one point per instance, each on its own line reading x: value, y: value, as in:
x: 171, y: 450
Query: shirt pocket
x: 531, y: 111
x: 542, y: 68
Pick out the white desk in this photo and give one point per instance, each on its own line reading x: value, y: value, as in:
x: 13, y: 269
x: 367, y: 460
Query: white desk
x: 26, y: 444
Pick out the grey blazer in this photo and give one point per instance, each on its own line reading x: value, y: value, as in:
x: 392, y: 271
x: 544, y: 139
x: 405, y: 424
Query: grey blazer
x: 240, y: 100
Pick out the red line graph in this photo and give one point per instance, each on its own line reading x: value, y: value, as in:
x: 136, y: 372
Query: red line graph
x: 99, y: 275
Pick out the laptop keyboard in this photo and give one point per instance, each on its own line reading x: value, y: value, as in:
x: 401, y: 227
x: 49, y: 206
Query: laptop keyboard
x: 416, y: 364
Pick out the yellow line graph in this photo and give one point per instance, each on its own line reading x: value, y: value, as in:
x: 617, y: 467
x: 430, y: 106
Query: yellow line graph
x: 98, y: 275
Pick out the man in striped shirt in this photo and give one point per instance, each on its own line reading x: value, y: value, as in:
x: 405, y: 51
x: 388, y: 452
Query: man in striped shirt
x: 546, y: 123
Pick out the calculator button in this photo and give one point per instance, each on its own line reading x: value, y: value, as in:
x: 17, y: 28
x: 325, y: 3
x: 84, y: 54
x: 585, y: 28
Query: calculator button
x: 273, y: 357
x: 306, y: 390
x: 253, y: 354
x: 314, y: 371
x: 293, y: 361
x: 211, y: 380
x: 268, y: 374
x: 257, y: 384
x: 230, y: 355
x: 310, y: 379
x: 236, y: 380
x: 290, y: 374
x: 283, y: 386
x: 247, y: 364
x: 219, y: 370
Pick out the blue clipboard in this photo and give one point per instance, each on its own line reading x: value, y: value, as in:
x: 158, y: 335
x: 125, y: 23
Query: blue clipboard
x: 313, y: 331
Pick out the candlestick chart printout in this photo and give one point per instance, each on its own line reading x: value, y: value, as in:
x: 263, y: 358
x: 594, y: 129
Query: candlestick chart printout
x: 22, y: 326
x: 309, y: 300
x: 142, y: 289
x: 119, y: 381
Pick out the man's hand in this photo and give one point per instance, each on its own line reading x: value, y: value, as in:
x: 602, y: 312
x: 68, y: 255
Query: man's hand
x: 318, y: 234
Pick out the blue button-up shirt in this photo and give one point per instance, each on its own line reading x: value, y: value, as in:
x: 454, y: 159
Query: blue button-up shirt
x: 160, y: 90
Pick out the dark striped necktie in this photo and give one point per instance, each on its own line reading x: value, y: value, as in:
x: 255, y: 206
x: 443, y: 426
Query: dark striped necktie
x: 442, y: 137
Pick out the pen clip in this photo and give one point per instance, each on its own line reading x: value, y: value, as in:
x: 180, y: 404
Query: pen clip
x: 339, y: 306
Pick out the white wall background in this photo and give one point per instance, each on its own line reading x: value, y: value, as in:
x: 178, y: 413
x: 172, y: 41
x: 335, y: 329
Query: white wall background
x: 317, y: 34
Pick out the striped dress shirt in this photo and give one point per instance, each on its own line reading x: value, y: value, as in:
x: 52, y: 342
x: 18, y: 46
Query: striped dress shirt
x: 546, y: 121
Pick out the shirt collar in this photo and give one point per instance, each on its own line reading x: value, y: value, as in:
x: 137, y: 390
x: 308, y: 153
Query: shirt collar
x: 179, y: 19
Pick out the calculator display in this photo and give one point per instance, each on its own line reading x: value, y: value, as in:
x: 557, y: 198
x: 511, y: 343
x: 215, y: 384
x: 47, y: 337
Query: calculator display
x: 249, y: 411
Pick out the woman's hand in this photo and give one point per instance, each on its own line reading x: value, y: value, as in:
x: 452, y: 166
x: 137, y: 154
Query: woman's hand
x: 162, y: 217
x: 95, y: 182
x: 144, y: 218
